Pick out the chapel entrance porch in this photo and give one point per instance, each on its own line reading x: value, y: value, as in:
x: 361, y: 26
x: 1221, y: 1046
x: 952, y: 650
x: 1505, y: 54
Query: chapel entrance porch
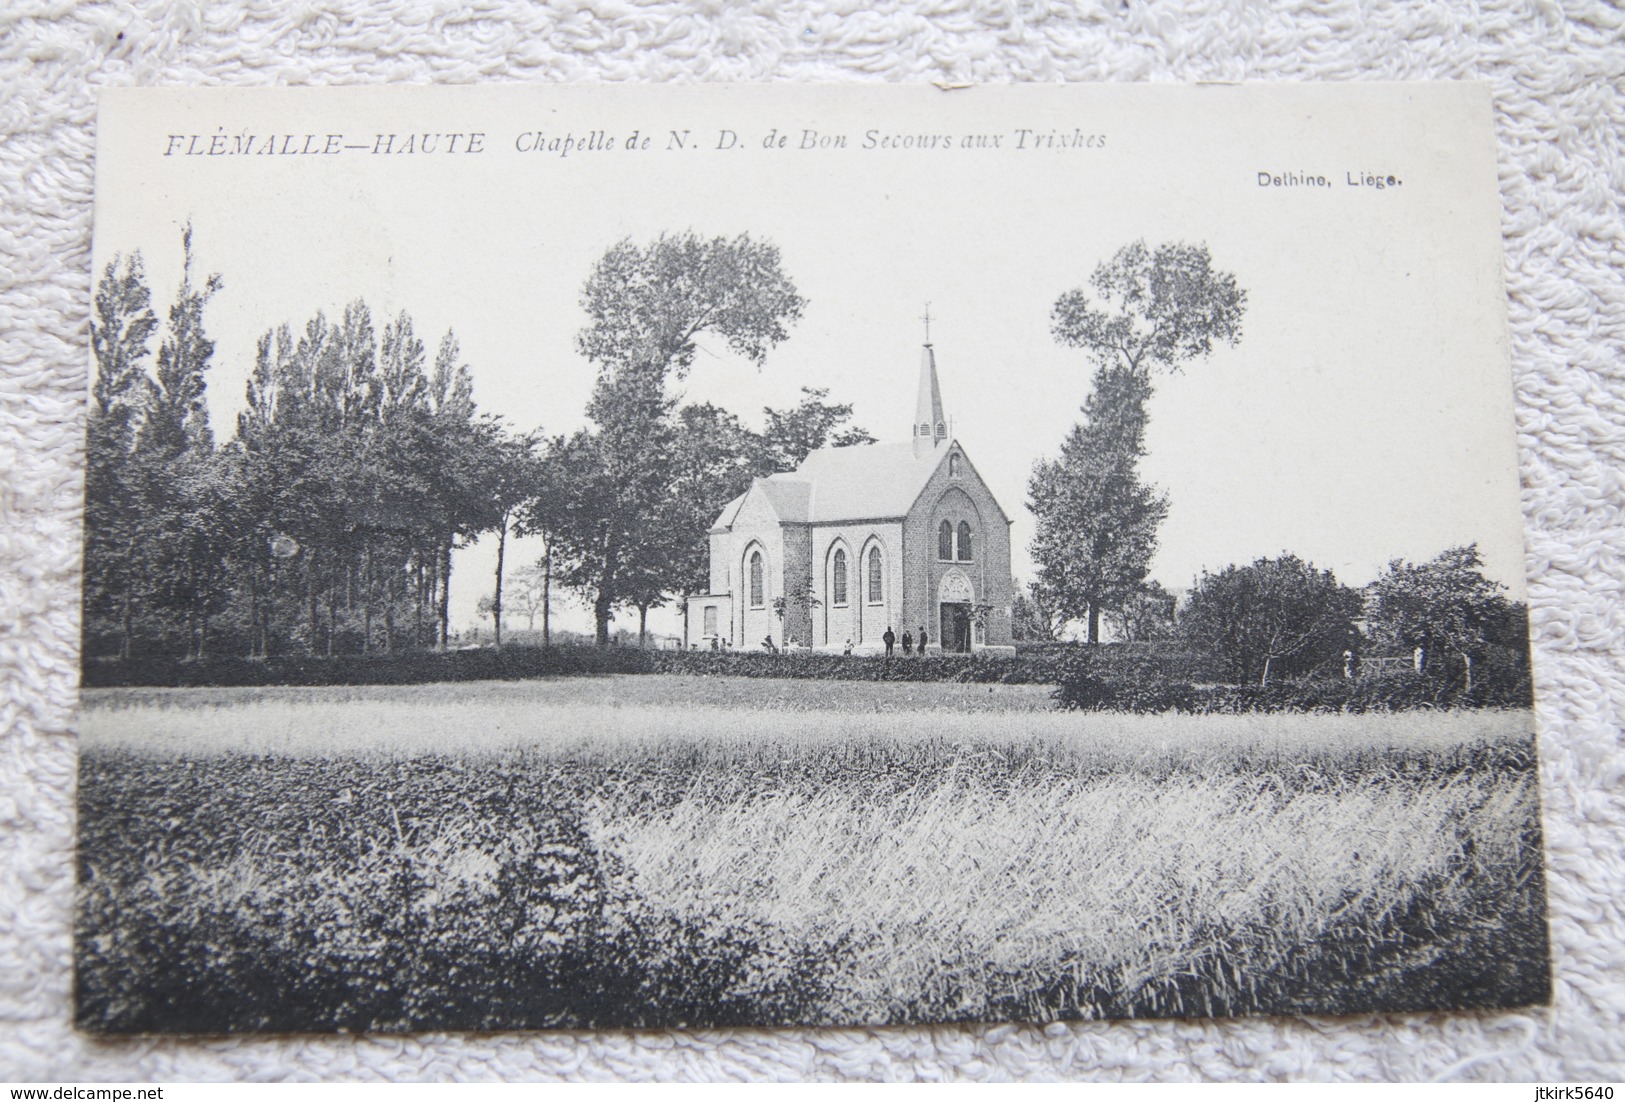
x: 954, y: 629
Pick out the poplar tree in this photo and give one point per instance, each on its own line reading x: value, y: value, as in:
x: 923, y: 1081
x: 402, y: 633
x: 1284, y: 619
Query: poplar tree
x: 1145, y: 310
x: 122, y: 324
x: 1097, y: 520
x: 185, y: 495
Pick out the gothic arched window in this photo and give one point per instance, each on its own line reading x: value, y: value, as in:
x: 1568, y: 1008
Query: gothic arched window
x: 874, y: 576
x: 953, y: 465
x: 942, y: 429
x: 945, y: 540
x: 964, y: 542
x: 925, y: 428
x: 838, y: 582
x: 756, y: 598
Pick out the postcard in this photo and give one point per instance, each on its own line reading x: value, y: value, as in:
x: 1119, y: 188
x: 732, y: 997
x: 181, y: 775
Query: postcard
x: 629, y: 556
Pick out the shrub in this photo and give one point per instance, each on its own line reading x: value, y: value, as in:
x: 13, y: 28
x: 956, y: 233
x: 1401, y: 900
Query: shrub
x: 1131, y: 684
x: 1088, y: 686
x: 1274, y: 617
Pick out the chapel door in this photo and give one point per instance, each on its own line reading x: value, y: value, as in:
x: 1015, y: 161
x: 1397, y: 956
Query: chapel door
x: 955, y: 596
x: 954, y: 632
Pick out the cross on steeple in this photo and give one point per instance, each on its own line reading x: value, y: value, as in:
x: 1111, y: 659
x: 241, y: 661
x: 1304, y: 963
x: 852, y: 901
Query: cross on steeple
x: 930, y: 426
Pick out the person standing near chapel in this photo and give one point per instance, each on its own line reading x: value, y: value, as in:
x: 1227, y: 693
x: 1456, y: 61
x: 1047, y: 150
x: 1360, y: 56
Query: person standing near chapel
x: 908, y: 644
x: 924, y: 639
x: 890, y: 639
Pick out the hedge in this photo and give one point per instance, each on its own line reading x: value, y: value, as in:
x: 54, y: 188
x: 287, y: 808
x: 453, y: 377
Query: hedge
x: 1106, y: 678
x: 1087, y: 684
x: 520, y: 662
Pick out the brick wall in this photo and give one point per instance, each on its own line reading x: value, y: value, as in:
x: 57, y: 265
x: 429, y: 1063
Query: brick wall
x: 955, y: 499
x: 798, y: 573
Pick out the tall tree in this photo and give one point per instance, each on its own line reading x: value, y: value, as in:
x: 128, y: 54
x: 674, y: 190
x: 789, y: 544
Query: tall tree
x: 1273, y: 617
x: 184, y: 492
x: 296, y: 456
x: 393, y: 436
x: 647, y: 306
x: 611, y: 511
x: 1159, y: 308
x: 453, y: 472
x: 121, y: 326
x: 177, y: 418
x: 589, y: 533
x: 713, y: 458
x: 1097, y: 520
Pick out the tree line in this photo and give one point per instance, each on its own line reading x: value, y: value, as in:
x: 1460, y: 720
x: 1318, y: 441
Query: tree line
x: 326, y: 523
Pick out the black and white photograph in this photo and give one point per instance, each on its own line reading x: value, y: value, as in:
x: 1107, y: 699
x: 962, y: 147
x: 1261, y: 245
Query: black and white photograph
x: 596, y: 557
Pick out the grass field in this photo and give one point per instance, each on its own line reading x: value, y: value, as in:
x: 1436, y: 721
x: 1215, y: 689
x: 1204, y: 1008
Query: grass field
x: 661, y: 850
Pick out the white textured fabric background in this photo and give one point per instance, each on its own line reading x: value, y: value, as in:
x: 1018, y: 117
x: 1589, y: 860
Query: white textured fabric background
x: 1558, y: 75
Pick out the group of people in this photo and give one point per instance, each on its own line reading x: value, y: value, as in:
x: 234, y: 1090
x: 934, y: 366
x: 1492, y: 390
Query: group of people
x: 890, y: 639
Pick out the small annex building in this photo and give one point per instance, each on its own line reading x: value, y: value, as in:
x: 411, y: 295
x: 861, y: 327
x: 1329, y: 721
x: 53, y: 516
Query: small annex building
x: 859, y: 539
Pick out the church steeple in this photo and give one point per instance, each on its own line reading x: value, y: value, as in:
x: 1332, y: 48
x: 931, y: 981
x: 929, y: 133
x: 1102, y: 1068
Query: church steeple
x: 930, y: 425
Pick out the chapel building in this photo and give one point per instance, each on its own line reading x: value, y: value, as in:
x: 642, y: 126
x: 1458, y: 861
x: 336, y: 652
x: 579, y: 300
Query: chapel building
x: 857, y: 540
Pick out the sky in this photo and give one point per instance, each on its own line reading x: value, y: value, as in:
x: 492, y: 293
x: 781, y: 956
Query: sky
x: 1366, y: 413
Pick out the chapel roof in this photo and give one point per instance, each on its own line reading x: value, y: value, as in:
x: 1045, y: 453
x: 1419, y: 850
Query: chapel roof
x: 790, y: 496
x: 860, y: 482
x: 725, y: 519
